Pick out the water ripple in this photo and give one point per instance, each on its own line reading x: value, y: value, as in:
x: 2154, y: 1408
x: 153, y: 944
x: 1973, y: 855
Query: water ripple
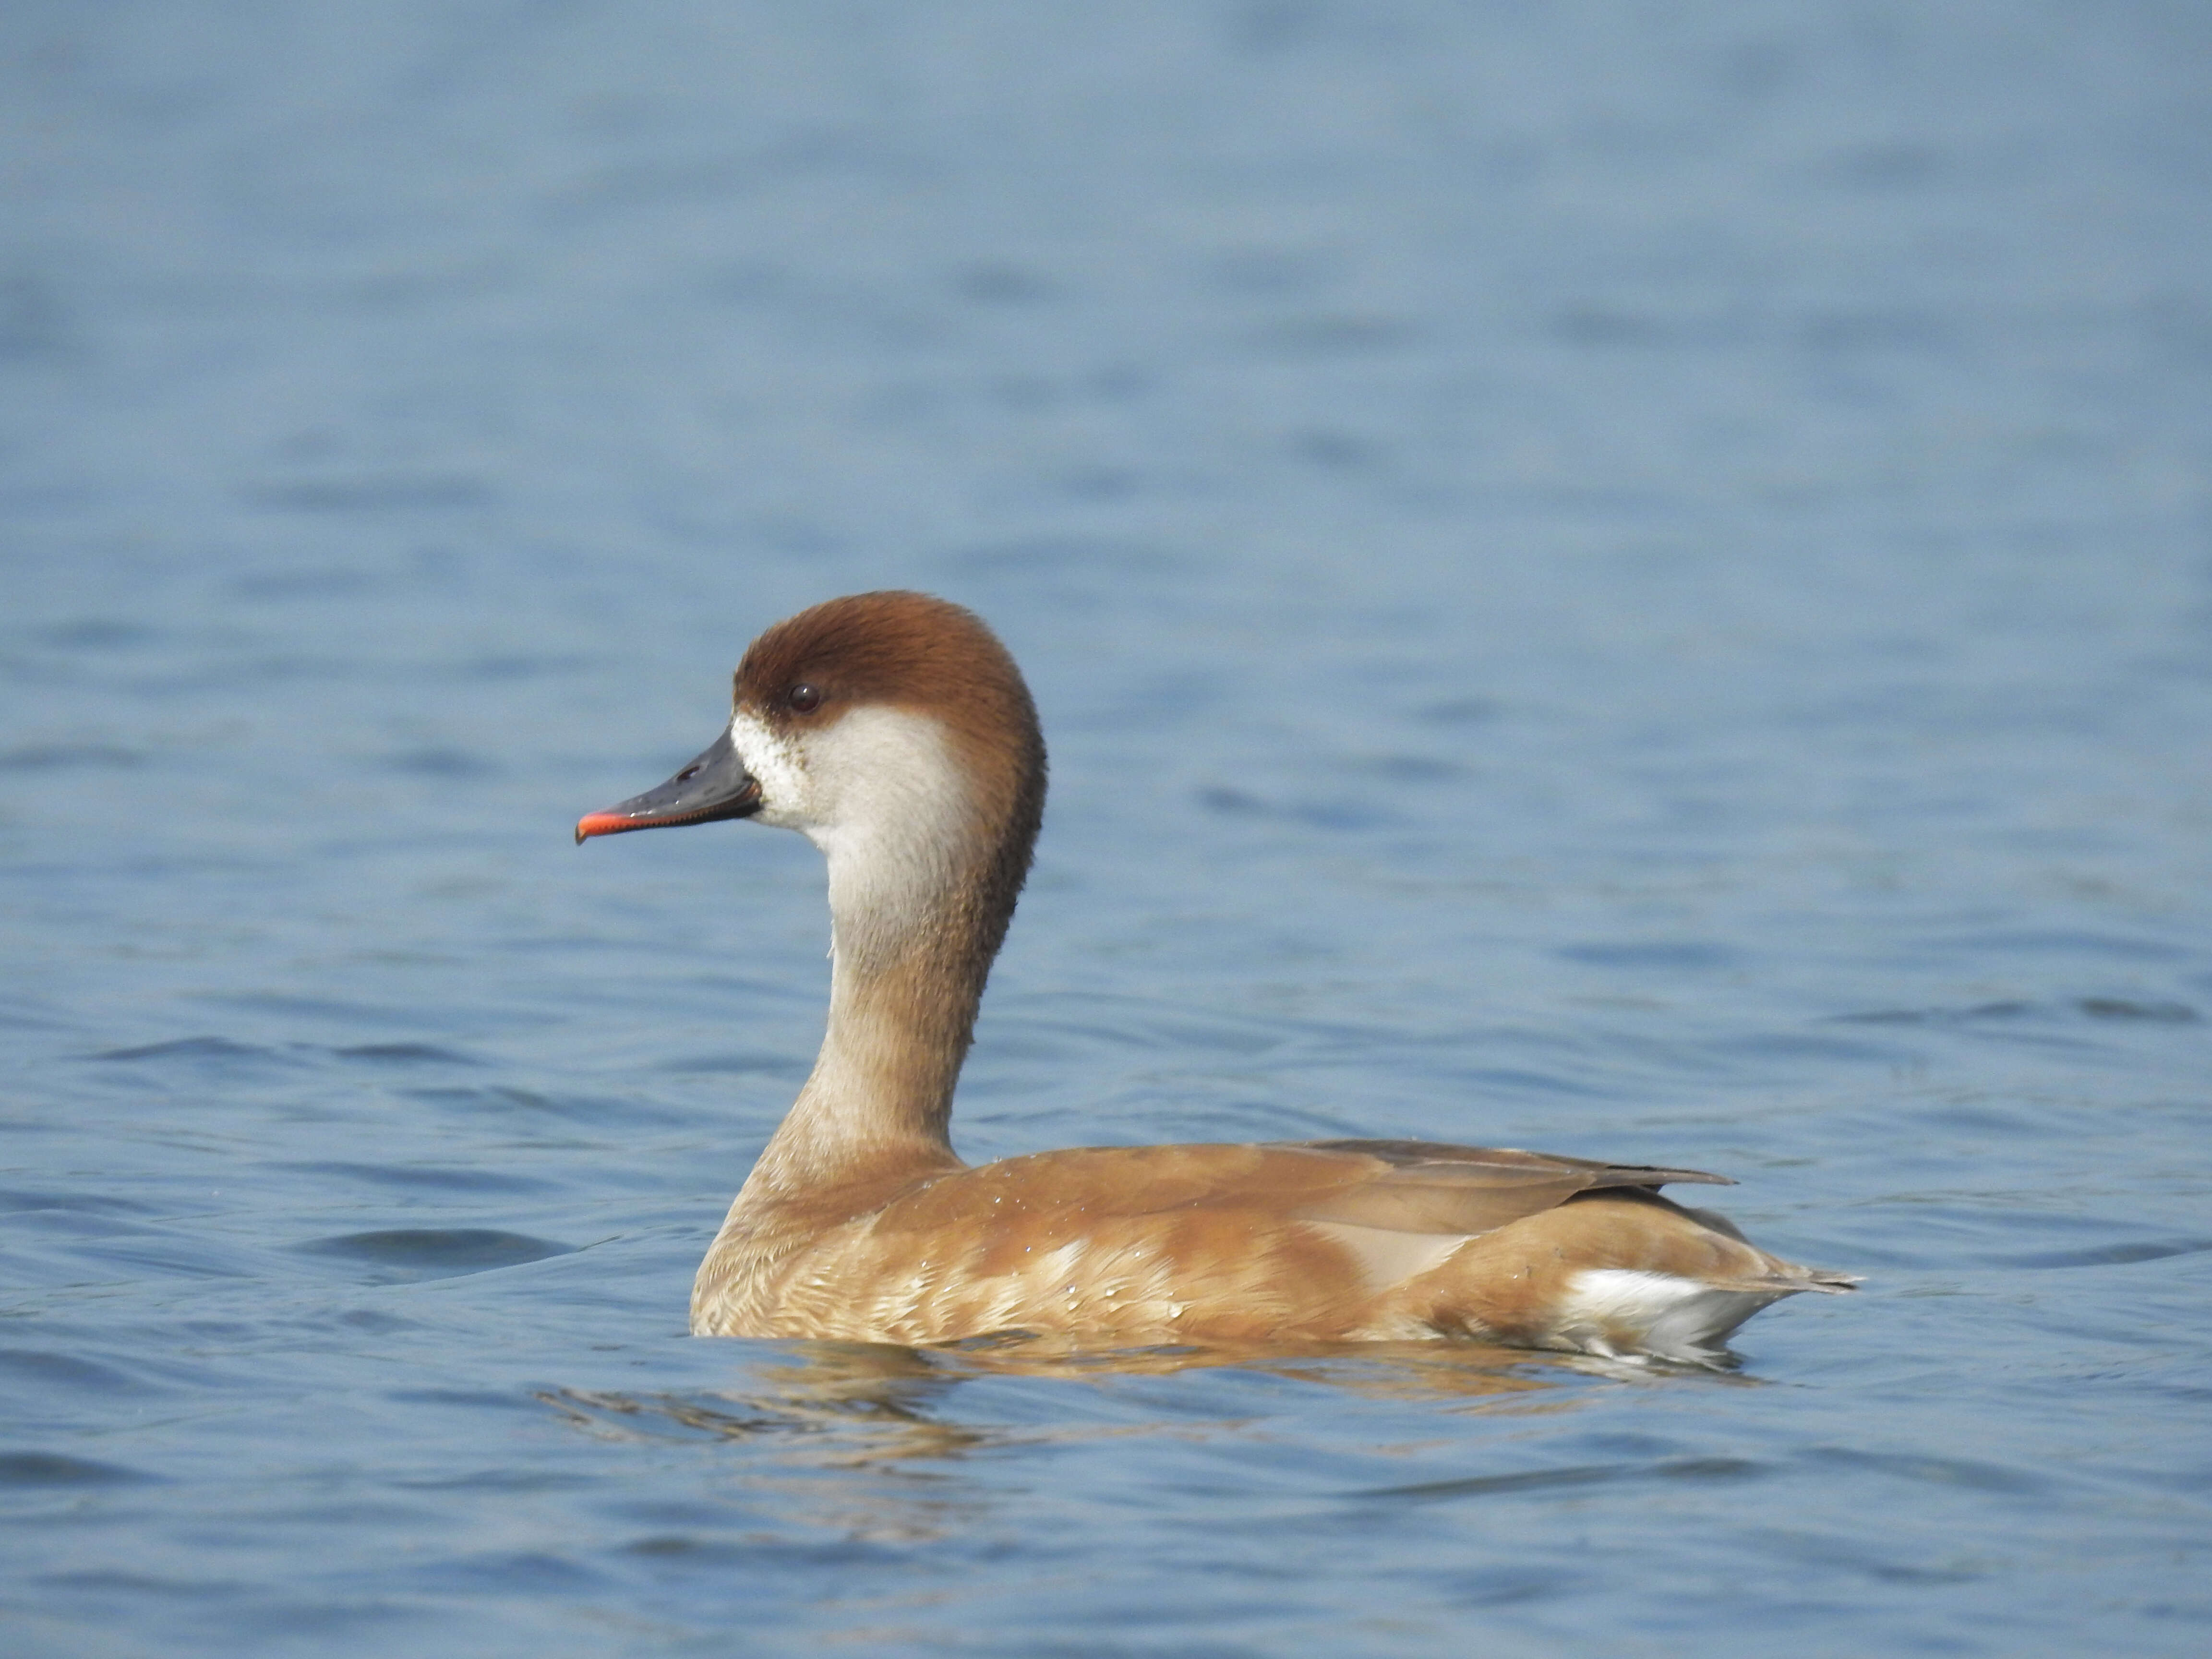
x: 27, y: 1469
x: 435, y: 1252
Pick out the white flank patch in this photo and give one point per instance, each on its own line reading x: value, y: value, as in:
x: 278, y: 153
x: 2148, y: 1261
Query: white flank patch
x: 1614, y: 1310
x: 1386, y: 1258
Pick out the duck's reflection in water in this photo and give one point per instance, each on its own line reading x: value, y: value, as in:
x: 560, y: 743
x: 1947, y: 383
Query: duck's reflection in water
x: 850, y: 1404
x: 863, y: 1442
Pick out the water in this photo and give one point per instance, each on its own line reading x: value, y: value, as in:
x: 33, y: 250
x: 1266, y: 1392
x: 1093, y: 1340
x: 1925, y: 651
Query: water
x: 1627, y: 584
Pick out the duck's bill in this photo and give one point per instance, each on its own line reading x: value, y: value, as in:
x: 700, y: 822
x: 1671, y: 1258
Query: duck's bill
x: 714, y: 786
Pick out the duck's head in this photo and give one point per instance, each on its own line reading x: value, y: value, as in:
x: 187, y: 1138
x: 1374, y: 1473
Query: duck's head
x: 886, y: 727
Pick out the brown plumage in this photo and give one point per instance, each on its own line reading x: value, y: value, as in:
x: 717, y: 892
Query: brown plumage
x: 893, y: 730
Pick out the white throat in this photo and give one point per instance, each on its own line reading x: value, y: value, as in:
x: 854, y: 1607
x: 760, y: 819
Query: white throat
x: 880, y: 792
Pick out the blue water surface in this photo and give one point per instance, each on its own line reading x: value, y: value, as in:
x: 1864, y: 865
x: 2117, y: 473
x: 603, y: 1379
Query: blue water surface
x: 1629, y: 579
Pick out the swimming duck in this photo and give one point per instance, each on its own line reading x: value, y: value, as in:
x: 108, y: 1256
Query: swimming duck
x: 894, y: 731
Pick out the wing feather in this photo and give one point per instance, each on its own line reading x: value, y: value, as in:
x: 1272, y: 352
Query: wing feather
x: 1394, y: 1186
x: 1419, y: 1187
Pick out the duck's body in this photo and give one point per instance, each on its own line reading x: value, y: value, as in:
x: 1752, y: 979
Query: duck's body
x: 1341, y: 1241
x: 896, y: 732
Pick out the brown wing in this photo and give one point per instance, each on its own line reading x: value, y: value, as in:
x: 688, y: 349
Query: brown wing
x: 1417, y: 1187
x: 1399, y: 1186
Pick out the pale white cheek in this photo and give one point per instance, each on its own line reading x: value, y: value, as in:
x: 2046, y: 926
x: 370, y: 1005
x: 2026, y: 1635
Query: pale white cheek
x: 785, y: 798
x: 891, y: 809
x: 880, y: 792
x: 882, y: 773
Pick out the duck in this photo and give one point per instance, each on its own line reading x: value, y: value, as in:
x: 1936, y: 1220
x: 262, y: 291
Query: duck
x: 894, y: 731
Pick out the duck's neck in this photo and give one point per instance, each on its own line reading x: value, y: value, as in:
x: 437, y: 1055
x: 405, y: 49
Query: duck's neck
x: 912, y: 942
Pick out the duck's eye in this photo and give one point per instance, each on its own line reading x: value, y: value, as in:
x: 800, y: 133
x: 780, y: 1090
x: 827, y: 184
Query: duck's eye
x: 803, y: 699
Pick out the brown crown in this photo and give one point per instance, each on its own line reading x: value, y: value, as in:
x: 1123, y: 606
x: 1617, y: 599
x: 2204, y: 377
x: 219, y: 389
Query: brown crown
x: 914, y: 651
x: 908, y: 650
